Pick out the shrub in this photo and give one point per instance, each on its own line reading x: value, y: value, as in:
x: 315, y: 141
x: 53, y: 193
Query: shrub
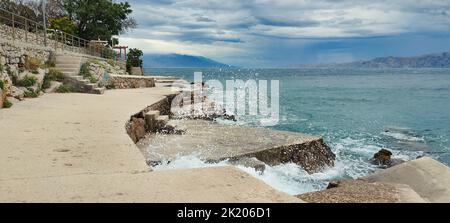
x: 1, y: 68
x: 7, y: 104
x: 65, y: 89
x: 32, y: 63
x: 2, y: 85
x: 52, y: 75
x: 111, y: 62
x: 93, y: 79
x: 35, y: 72
x: 64, y: 24
x: 30, y: 93
x: 55, y: 75
x: 46, y: 83
x: 85, y: 71
x: 27, y: 81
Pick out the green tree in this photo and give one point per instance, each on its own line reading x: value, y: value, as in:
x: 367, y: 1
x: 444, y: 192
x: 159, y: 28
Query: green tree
x: 99, y: 19
x: 63, y: 24
x: 134, y: 58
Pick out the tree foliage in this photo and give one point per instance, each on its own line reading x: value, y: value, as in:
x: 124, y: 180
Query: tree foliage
x: 134, y: 58
x: 18, y: 7
x: 99, y: 19
x: 64, y: 24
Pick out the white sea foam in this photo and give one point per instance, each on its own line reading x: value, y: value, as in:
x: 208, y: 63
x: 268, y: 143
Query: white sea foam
x: 352, y: 157
x: 403, y: 136
x: 289, y: 178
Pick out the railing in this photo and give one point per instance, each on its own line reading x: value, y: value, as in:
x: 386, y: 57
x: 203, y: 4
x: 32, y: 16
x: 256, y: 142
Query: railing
x: 19, y: 28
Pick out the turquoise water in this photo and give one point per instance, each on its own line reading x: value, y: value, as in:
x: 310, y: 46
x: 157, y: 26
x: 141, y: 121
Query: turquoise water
x: 357, y: 112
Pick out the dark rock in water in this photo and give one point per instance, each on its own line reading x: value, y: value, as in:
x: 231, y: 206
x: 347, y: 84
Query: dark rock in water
x: 333, y: 184
x: 383, y: 159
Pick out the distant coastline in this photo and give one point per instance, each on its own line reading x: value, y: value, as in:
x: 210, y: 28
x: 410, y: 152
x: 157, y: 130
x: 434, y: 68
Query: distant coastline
x: 437, y: 60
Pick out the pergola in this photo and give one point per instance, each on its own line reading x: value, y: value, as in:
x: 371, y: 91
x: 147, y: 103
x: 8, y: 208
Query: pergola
x: 120, y: 48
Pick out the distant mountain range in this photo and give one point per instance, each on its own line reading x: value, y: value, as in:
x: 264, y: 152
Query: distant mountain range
x: 440, y: 60
x: 178, y: 60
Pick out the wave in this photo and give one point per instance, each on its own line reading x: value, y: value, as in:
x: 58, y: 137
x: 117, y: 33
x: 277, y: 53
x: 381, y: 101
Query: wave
x: 404, y: 137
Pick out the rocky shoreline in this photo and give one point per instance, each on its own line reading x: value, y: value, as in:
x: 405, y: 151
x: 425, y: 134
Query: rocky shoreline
x: 397, y: 181
x: 213, y: 142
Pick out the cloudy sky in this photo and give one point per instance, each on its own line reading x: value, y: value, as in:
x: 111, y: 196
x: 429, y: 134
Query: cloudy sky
x: 274, y: 33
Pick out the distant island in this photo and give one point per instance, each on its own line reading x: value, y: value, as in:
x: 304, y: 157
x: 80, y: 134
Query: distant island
x: 437, y: 60
x: 440, y: 60
x: 178, y: 60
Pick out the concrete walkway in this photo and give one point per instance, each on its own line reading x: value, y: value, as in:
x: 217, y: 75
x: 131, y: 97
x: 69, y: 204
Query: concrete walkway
x: 74, y: 148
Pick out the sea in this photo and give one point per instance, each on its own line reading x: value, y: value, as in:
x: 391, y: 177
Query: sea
x: 356, y: 111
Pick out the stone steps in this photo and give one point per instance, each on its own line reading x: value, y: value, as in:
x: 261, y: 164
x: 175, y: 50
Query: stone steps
x: 70, y: 65
x: 155, y: 122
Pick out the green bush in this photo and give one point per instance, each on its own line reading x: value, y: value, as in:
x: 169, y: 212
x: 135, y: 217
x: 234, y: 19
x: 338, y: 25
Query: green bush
x: 7, y: 104
x: 55, y: 75
x: 30, y: 93
x: 93, y: 79
x: 52, y: 75
x: 65, y: 89
x: 27, y: 81
x: 85, y: 71
x: 1, y: 68
x: 2, y: 85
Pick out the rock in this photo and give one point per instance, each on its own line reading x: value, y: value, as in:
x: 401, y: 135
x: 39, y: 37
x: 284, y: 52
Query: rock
x: 214, y: 142
x: 136, y: 129
x: 40, y: 77
x: 13, y: 100
x: 383, y: 159
x: 428, y: 177
x: 17, y: 93
x: 54, y: 85
x: 363, y: 191
x: 333, y: 184
x: 2, y: 98
x: 250, y: 163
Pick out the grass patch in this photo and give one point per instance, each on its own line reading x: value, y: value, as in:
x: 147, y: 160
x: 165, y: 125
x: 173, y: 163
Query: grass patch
x: 32, y: 63
x: 65, y: 89
x: 7, y: 104
x: 27, y: 81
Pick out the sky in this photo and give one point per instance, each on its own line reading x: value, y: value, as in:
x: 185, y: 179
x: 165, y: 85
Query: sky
x: 280, y: 33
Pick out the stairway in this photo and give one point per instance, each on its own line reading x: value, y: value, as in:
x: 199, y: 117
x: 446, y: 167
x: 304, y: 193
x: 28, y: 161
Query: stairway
x: 69, y: 65
x: 156, y: 122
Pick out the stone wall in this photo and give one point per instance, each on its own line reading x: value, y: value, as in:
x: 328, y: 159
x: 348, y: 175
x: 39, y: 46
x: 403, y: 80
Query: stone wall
x: 13, y: 57
x: 128, y: 81
x: 136, y: 127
